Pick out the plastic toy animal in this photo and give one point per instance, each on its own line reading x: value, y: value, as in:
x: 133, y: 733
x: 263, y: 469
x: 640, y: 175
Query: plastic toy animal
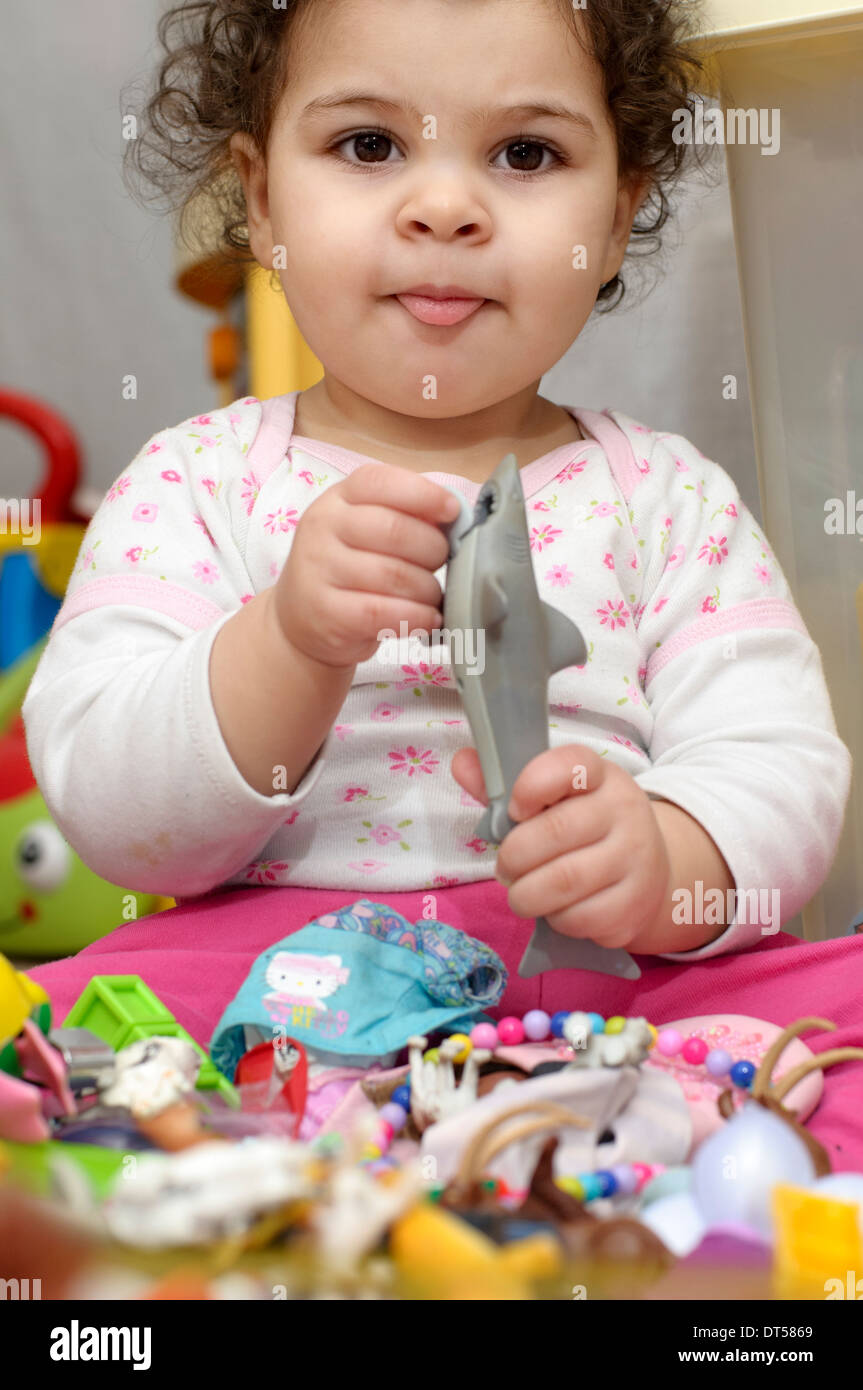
x: 491, y: 587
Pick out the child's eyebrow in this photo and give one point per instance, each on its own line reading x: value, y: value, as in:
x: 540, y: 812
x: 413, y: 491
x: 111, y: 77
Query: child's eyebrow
x: 321, y: 105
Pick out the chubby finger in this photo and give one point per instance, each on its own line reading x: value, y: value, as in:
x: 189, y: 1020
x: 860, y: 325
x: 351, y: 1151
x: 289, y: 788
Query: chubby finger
x: 466, y: 770
x: 552, y: 775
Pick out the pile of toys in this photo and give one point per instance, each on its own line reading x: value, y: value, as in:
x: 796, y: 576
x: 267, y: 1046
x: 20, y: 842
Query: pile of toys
x: 145, y: 1172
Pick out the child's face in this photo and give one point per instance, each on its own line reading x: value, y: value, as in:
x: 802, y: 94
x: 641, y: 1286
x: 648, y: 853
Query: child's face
x: 450, y: 209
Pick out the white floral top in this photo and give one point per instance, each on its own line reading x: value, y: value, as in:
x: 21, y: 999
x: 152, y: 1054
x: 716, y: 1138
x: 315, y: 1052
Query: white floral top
x: 701, y: 679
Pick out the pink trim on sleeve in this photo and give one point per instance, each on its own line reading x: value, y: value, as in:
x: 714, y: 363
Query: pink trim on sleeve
x: 145, y: 592
x: 755, y: 612
x: 618, y: 449
x: 270, y: 444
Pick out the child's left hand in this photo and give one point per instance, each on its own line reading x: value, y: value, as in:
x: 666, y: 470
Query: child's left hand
x: 588, y: 853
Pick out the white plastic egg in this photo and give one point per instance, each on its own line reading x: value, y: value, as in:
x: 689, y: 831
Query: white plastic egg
x: 735, y: 1170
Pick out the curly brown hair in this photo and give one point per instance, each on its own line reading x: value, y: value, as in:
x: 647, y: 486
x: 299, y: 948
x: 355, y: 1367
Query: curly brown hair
x: 227, y: 61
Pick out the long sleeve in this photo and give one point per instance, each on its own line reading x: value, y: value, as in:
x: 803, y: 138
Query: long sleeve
x: 121, y: 730
x: 743, y: 735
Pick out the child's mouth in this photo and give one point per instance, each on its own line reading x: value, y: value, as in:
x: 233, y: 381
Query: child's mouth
x: 439, y: 311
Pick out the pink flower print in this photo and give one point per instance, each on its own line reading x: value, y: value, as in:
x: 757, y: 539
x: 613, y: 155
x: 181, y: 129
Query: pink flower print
x: 477, y: 845
x: 384, y: 834
x: 118, y: 488
x: 731, y: 510
x: 714, y: 549
x: 134, y: 554
x: 274, y: 568
x: 266, y: 870
x: 309, y: 477
x: 711, y: 603
x: 250, y: 495
x: 658, y: 607
x: 698, y: 489
x: 170, y: 475
x: 422, y: 674
x: 210, y: 485
x: 603, y: 508
x: 366, y: 866
x: 681, y: 466
x: 667, y: 523
x: 633, y: 693
x: 246, y: 598
x: 386, y: 712
x: 613, y: 614
x: 145, y: 511
x: 441, y: 881
x: 638, y: 613
x: 199, y: 521
x: 545, y: 536
x: 559, y: 576
x: 153, y: 449
x: 234, y: 419
x: 541, y: 507
x: 570, y: 470
x: 642, y: 465
x: 281, y: 520
x: 608, y: 560
x: 87, y: 560
x: 289, y: 820
x: 615, y: 738
x: 642, y: 674
x: 250, y: 400
x: 201, y: 420
x: 677, y: 556
x: 762, y: 573
x: 353, y: 793
x: 413, y: 760
x: 207, y: 573
x: 633, y: 561
x: 341, y: 731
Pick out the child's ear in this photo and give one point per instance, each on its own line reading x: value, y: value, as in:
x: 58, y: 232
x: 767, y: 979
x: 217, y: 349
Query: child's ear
x: 252, y: 172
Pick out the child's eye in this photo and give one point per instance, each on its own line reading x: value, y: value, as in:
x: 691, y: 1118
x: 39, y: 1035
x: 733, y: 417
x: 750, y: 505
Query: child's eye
x: 373, y: 146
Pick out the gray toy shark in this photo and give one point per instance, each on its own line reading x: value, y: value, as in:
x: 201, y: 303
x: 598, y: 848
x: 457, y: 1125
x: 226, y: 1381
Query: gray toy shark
x: 491, y: 588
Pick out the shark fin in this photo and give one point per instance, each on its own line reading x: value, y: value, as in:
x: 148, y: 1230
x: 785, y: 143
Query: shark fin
x: 483, y: 827
x: 494, y: 604
x: 565, y: 643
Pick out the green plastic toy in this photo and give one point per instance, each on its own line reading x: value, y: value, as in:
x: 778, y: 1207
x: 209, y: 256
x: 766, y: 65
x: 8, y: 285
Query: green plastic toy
x: 121, y: 1009
x: 51, y: 903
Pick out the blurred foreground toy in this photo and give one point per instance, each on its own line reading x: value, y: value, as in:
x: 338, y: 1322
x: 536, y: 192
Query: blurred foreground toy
x: 763, y: 1144
x: 491, y: 589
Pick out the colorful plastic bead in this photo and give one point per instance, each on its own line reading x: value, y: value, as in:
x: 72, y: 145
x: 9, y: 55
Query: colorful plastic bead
x: 742, y: 1074
x: 572, y: 1186
x: 626, y: 1179
x: 510, y: 1031
x: 654, y: 1034
x: 643, y: 1173
x: 484, y: 1035
x: 607, y: 1181
x: 694, y: 1051
x: 592, y: 1186
x: 537, y: 1025
x: 557, y: 1022
x: 597, y: 1023
x: 402, y: 1096
x: 466, y: 1046
x: 394, y: 1114
x: 669, y: 1042
x: 615, y: 1024
x: 718, y: 1062
x: 432, y: 1055
x: 385, y: 1133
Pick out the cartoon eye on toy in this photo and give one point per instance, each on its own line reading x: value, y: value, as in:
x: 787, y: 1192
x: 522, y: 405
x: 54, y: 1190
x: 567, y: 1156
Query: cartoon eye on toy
x: 42, y: 857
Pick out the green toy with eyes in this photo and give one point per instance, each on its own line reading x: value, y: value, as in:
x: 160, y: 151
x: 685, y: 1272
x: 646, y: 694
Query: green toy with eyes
x: 51, y: 904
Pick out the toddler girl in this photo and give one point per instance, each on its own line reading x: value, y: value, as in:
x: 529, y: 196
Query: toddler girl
x: 446, y: 189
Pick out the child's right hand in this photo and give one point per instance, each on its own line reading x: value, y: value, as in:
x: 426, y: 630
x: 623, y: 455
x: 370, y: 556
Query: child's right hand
x: 363, y: 560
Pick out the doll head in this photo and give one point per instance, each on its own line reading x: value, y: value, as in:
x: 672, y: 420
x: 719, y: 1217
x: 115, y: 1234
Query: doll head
x: 440, y: 169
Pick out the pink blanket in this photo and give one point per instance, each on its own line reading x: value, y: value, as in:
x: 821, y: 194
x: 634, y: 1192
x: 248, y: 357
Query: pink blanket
x: 197, y: 956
